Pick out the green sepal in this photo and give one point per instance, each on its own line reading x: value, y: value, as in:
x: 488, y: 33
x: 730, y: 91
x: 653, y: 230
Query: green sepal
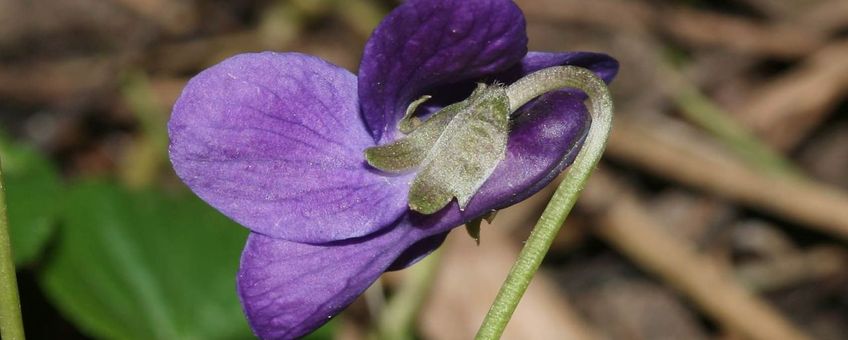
x: 473, y: 229
x: 473, y: 226
x: 409, y: 152
x: 466, y: 153
x: 409, y: 122
x: 457, y: 149
x: 490, y: 217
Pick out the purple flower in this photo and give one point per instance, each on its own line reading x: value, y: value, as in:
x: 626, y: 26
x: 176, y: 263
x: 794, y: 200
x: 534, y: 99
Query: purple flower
x: 276, y: 142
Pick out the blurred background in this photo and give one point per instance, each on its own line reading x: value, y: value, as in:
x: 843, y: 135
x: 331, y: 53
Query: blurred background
x: 720, y: 210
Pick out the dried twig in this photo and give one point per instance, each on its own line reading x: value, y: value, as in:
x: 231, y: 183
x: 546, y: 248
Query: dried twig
x: 177, y: 17
x: 626, y: 225
x: 823, y: 17
x: 703, y: 29
x: 57, y: 83
x: 785, y: 110
x: 791, y: 269
x: 691, y: 27
x: 680, y: 158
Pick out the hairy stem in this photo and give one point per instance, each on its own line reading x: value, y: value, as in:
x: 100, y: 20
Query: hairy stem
x: 11, y: 324
x: 537, y: 245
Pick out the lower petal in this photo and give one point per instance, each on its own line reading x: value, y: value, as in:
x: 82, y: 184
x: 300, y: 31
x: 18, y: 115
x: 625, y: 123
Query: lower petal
x: 418, y: 251
x: 289, y: 289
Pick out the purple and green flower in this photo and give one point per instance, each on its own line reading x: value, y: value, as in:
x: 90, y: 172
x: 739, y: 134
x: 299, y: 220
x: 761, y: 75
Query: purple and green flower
x: 343, y: 177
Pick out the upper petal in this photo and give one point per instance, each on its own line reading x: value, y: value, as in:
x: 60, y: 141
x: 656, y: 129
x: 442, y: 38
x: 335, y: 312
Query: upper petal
x: 275, y: 142
x: 603, y: 65
x: 424, y: 43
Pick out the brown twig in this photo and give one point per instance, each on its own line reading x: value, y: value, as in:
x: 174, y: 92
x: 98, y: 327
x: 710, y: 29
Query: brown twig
x: 680, y: 158
x: 791, y: 269
x: 627, y: 226
x: 57, y: 83
x: 824, y: 17
x: 177, y: 17
x: 691, y: 27
x: 786, y: 109
x: 704, y: 29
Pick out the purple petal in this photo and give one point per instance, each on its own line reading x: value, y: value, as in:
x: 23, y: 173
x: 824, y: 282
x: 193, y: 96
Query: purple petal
x: 289, y: 289
x: 418, y: 251
x: 546, y: 136
x: 603, y: 65
x: 274, y: 141
x: 425, y: 43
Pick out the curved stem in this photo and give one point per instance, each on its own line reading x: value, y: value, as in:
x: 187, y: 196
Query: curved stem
x: 563, y: 200
x: 11, y: 324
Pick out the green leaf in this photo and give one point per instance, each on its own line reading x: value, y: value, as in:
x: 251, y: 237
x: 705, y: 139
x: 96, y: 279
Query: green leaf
x: 32, y: 193
x: 146, y: 265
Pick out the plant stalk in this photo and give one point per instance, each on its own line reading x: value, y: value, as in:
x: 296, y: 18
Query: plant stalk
x: 537, y: 245
x: 11, y: 323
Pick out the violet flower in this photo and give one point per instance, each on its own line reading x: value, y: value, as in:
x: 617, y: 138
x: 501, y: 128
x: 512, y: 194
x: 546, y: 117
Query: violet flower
x: 276, y: 142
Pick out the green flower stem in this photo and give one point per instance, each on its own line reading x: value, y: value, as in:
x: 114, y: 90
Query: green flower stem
x: 563, y: 200
x: 11, y: 324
